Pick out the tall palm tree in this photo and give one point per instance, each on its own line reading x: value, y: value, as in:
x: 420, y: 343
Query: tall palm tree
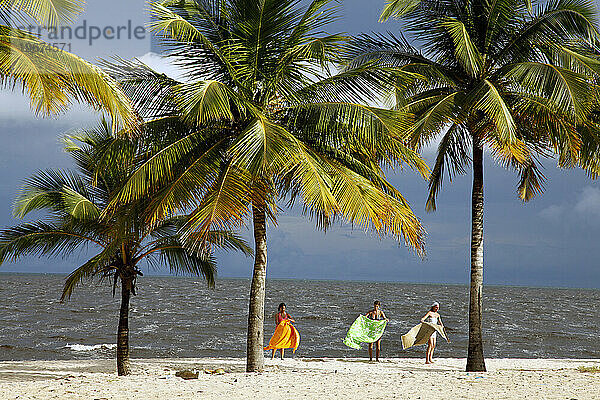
x: 517, y: 76
x: 74, y: 203
x: 52, y: 77
x: 265, y: 120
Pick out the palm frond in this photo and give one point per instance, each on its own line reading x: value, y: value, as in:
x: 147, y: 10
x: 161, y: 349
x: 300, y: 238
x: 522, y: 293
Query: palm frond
x: 434, y: 111
x: 375, y: 132
x: 166, y: 243
x: 171, y: 24
x: 453, y: 155
x: 263, y: 148
x: 398, y: 8
x: 362, y: 204
x: 499, y: 16
x: 229, y: 241
x: 487, y: 98
x: 79, y: 207
x: 43, y: 239
x: 100, y: 264
x: 224, y: 206
x: 465, y: 50
x: 150, y: 92
x: 157, y: 169
x: 46, y: 12
x: 187, y: 185
x: 209, y: 101
x: 181, y: 261
x: 531, y: 182
x: 565, y: 88
x: 52, y: 190
x: 53, y: 78
x: 559, y: 19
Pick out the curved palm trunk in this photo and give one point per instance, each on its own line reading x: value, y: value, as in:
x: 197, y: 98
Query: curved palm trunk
x: 123, y: 330
x: 475, y: 361
x: 254, y: 350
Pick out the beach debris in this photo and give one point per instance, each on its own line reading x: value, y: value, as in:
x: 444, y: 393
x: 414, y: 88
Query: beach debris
x: 592, y: 369
x: 187, y: 374
x: 218, y: 371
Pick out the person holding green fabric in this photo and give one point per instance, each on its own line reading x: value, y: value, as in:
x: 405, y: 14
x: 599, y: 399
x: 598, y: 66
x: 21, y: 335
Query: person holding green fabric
x: 376, y: 314
x: 367, y: 328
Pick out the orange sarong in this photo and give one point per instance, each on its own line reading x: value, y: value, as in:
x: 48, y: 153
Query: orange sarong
x: 285, y: 337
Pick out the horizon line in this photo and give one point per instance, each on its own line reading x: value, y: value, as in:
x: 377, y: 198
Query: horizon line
x: 330, y: 280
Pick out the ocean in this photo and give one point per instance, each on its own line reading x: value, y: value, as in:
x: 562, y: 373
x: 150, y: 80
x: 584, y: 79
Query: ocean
x: 181, y: 317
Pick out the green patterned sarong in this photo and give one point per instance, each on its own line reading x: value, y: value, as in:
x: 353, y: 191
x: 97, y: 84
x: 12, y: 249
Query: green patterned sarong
x: 364, y: 330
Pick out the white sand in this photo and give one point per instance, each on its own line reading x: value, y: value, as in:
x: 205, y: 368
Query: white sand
x: 301, y: 378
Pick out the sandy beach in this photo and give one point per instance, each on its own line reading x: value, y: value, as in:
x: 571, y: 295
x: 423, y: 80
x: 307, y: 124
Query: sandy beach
x: 305, y: 378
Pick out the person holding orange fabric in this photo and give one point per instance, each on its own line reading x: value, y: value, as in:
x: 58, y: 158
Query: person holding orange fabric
x: 280, y: 316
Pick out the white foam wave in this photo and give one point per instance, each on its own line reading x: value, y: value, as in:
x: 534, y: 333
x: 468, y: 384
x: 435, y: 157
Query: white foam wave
x: 83, y: 347
x: 149, y: 328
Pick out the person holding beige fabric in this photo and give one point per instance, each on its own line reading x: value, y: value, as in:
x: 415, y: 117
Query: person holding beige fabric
x: 434, y: 318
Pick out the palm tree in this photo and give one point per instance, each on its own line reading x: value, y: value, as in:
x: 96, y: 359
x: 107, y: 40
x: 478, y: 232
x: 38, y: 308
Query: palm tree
x: 263, y: 120
x: 517, y: 76
x: 74, y: 203
x: 52, y: 77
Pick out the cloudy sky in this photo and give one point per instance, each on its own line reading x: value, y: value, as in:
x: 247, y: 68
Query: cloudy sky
x: 551, y: 241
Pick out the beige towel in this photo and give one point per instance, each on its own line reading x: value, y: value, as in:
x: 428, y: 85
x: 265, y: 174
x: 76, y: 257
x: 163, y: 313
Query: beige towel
x: 420, y: 334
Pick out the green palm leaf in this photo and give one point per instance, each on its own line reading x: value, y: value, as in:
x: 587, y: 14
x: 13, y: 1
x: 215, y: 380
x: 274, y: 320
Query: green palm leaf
x: 567, y: 89
x: 42, y: 238
x: 100, y: 264
x: 466, y: 52
x: 263, y: 148
x: 208, y: 101
x: 488, y: 99
x: 531, y: 183
x: 53, y: 78
x: 452, y: 154
x: 45, y: 12
x: 171, y: 24
x: 223, y: 207
x: 398, y: 8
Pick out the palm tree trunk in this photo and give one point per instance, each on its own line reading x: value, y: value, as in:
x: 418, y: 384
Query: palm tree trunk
x: 123, y: 367
x: 254, y: 350
x: 475, y: 360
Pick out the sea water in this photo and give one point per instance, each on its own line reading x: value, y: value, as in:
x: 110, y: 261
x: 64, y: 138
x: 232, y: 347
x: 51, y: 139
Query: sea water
x: 181, y: 317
